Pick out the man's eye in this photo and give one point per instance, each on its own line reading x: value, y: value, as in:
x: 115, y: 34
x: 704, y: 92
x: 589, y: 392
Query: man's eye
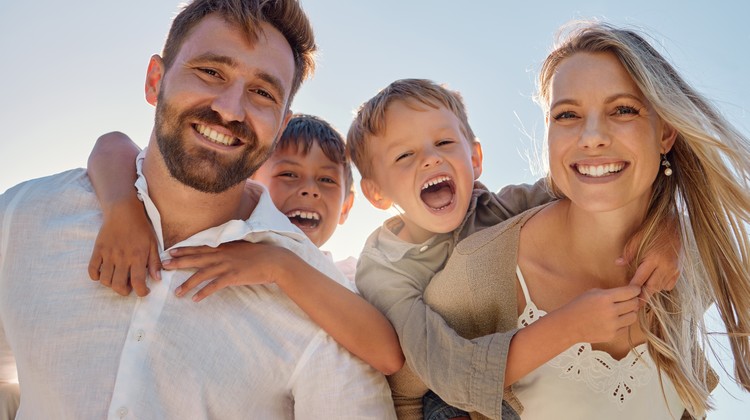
x: 210, y: 72
x: 263, y: 93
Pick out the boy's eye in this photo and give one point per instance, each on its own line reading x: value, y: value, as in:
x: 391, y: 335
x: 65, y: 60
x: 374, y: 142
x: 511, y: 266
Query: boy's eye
x: 403, y: 156
x: 287, y: 174
x: 444, y: 142
x: 328, y: 180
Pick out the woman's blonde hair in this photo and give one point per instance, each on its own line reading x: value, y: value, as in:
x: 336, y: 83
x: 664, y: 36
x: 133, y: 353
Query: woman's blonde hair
x: 707, y: 192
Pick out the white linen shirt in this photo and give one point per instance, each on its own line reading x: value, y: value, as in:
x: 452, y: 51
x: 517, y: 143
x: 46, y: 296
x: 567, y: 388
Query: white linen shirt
x: 84, y: 352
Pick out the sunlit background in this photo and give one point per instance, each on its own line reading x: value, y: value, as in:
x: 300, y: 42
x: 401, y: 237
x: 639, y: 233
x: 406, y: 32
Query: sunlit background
x: 74, y: 70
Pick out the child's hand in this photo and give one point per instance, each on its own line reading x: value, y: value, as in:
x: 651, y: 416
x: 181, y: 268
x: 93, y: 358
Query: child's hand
x: 124, y: 249
x: 231, y: 264
x: 660, y: 268
x: 599, y: 315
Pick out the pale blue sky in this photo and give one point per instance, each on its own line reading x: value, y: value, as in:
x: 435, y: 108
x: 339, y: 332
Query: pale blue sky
x: 74, y: 70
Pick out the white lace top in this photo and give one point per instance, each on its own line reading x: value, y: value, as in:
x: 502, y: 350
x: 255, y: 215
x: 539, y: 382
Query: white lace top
x: 583, y: 383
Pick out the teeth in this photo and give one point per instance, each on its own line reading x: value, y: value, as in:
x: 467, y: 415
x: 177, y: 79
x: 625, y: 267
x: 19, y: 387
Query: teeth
x: 215, y: 136
x: 304, y: 214
x: 434, y: 181
x: 600, y: 170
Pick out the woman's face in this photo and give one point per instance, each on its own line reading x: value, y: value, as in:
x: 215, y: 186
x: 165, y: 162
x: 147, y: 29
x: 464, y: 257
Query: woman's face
x: 604, y: 137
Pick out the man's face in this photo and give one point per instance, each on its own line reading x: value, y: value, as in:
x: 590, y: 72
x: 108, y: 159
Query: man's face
x: 222, y: 104
x: 309, y: 188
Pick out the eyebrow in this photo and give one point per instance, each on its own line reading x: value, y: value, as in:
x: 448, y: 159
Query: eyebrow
x: 226, y: 60
x: 607, y: 100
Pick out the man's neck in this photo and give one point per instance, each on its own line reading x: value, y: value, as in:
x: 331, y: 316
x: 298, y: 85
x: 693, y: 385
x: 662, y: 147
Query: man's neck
x: 185, y: 211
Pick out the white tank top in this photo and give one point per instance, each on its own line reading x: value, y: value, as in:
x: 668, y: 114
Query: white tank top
x: 583, y: 383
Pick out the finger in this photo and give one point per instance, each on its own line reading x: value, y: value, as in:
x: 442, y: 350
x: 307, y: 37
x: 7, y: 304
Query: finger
x: 105, y: 274
x: 196, y: 279
x: 624, y: 293
x: 154, y: 263
x: 138, y: 280
x: 191, y: 250
x: 94, y: 265
x: 120, y: 280
x: 642, y: 273
x: 190, y: 261
x: 626, y: 307
x: 211, y: 288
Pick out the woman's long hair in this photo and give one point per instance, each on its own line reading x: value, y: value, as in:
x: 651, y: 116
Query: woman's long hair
x: 707, y: 192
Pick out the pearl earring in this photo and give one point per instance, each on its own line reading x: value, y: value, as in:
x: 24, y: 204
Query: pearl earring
x: 667, y: 166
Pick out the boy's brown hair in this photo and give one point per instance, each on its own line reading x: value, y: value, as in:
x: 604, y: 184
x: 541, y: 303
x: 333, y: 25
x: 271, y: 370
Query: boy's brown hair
x: 304, y: 131
x: 370, y: 118
x: 286, y: 16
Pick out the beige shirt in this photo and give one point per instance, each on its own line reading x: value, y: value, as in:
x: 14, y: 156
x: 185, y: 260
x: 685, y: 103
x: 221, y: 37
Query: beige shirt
x: 392, y: 274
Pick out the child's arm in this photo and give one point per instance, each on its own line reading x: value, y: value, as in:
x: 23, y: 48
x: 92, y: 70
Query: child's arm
x: 349, y: 319
x: 126, y: 245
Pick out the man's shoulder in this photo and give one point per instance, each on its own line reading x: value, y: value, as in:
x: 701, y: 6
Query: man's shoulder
x: 48, y: 189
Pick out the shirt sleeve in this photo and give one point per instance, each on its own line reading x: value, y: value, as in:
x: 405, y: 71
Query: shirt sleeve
x: 330, y: 383
x: 467, y: 374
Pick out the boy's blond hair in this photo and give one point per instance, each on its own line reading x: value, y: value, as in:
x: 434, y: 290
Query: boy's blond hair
x: 370, y: 118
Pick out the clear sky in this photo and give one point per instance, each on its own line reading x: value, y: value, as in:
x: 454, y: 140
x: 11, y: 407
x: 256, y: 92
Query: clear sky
x: 74, y: 70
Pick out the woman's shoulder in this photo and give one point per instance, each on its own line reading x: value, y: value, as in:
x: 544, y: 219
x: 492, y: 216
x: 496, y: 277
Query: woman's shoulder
x: 502, y: 235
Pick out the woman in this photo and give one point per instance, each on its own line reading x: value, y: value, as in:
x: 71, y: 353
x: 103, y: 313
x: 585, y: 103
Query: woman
x: 630, y: 147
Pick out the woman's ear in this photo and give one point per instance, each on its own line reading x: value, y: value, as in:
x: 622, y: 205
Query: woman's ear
x: 372, y: 192
x: 668, y: 137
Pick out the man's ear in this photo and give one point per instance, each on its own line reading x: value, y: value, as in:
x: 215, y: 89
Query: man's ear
x: 476, y: 159
x: 372, y: 192
x: 346, y: 207
x: 154, y: 76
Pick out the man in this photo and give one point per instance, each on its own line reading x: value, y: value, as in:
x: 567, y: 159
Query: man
x: 222, y: 91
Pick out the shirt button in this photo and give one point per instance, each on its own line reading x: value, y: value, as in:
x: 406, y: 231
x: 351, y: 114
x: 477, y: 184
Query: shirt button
x: 139, y: 335
x: 423, y: 249
x: 122, y: 412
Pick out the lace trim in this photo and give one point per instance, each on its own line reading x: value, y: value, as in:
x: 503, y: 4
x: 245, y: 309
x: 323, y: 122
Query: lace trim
x: 601, y: 372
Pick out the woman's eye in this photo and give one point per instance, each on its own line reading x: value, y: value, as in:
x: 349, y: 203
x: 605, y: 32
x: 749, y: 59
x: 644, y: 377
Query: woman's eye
x: 565, y: 115
x: 626, y: 110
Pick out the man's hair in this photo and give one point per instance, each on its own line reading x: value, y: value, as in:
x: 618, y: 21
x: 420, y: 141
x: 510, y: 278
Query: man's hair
x: 370, y: 118
x: 286, y: 16
x: 304, y: 131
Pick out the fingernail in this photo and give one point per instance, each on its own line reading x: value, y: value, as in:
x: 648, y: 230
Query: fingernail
x: 196, y: 298
x: 158, y: 275
x: 166, y: 262
x: 178, y: 291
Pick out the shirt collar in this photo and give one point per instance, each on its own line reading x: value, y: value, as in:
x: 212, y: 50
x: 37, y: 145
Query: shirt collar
x: 265, y: 217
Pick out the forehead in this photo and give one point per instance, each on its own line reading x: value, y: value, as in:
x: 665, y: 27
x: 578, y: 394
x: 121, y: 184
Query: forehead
x: 600, y: 73
x: 213, y: 36
x: 411, y: 116
x: 315, y: 158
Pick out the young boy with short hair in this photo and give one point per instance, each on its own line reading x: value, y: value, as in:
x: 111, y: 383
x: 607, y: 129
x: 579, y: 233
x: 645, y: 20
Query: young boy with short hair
x: 309, y: 180
x: 415, y: 149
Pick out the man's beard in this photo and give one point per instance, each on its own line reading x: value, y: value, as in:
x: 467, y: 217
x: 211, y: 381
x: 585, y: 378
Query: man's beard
x: 200, y: 168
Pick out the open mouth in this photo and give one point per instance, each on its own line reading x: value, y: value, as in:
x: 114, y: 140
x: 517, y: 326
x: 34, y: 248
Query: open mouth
x: 438, y: 193
x: 304, y: 219
x: 596, y: 171
x: 216, y: 137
